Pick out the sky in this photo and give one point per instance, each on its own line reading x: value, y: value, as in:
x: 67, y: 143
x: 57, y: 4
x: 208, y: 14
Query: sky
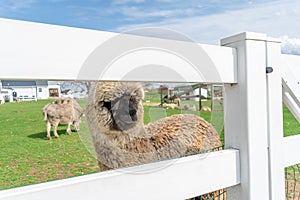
x: 204, y: 21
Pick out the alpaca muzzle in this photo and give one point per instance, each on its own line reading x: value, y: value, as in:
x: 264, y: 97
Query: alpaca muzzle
x: 124, y: 113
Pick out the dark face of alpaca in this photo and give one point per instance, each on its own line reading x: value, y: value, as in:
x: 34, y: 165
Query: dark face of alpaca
x: 123, y: 112
x: 124, y: 107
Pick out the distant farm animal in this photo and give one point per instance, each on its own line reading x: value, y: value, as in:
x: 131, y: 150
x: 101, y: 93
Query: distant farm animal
x: 205, y: 109
x: 62, y: 111
x: 115, y: 118
x: 172, y: 99
x: 171, y: 106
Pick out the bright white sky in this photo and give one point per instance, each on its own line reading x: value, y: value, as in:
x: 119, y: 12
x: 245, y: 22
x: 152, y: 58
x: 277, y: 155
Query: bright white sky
x: 205, y: 21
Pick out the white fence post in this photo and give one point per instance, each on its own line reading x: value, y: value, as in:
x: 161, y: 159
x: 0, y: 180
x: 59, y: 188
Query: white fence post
x: 246, y: 116
x: 275, y: 121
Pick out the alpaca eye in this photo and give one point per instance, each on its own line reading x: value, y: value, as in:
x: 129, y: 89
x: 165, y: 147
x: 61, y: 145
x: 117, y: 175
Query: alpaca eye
x: 105, y: 104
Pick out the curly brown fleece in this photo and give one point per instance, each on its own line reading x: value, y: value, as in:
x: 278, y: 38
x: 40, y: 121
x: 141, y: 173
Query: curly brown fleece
x: 115, y: 117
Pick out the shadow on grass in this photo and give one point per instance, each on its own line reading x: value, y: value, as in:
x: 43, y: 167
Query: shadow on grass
x: 43, y: 135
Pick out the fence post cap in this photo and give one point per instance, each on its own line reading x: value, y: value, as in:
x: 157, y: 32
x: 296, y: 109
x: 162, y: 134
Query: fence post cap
x: 244, y: 36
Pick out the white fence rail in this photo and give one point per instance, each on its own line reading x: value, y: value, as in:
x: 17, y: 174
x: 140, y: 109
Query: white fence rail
x: 185, y: 177
x: 252, y: 103
x: 290, y: 145
x: 61, y: 53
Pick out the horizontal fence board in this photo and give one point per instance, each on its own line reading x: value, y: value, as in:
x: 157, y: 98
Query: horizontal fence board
x: 291, y: 146
x: 49, y: 52
x: 185, y: 177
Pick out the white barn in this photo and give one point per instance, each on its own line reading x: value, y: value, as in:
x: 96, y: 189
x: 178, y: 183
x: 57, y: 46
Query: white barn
x: 32, y: 90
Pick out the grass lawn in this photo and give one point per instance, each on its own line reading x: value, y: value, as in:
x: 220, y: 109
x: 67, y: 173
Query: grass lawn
x: 27, y: 157
x: 290, y: 124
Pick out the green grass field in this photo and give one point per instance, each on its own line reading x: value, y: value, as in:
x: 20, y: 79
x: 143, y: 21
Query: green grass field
x: 27, y: 157
x: 290, y: 124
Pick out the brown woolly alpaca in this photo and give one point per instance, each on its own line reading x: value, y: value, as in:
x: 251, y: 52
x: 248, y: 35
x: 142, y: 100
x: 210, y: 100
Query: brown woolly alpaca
x: 115, y: 117
x: 62, y: 111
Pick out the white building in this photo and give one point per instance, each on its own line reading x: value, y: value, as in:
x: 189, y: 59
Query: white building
x: 5, y: 96
x: 191, y: 92
x: 31, y: 90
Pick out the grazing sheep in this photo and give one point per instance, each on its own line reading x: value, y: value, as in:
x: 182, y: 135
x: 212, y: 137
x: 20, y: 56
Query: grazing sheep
x: 115, y: 117
x: 62, y: 111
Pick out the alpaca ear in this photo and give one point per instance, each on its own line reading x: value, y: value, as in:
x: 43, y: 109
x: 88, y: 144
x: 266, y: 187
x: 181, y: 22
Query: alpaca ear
x: 140, y: 94
x: 143, y: 94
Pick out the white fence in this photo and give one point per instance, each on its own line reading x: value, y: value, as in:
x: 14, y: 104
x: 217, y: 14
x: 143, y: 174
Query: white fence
x: 251, y: 166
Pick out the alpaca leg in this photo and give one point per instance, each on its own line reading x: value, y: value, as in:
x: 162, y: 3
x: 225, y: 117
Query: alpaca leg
x: 48, y: 128
x: 69, y: 129
x: 55, y: 130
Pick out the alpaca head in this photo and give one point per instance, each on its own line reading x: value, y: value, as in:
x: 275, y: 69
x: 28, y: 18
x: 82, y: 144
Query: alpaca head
x: 119, y: 105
